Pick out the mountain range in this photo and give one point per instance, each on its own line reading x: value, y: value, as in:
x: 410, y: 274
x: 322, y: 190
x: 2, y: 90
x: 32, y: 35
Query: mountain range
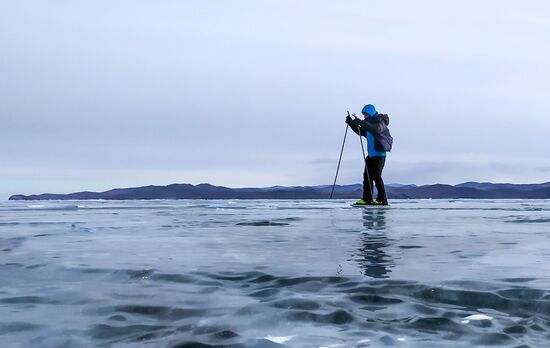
x: 400, y: 191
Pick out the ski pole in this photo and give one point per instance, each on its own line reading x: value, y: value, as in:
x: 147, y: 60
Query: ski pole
x: 366, y: 165
x: 339, y: 160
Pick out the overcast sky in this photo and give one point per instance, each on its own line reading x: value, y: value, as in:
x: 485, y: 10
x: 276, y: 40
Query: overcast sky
x: 101, y: 94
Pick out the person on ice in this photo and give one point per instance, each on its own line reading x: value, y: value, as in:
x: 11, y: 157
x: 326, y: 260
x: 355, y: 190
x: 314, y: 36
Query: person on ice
x: 379, y: 141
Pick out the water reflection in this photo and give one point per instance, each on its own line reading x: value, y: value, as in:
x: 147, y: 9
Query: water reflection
x: 372, y: 256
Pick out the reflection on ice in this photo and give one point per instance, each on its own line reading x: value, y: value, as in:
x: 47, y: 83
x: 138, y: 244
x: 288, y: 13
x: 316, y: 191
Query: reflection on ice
x: 373, y: 257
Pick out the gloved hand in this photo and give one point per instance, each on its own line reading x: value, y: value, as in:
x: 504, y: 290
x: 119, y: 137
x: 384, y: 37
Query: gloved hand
x: 348, y: 119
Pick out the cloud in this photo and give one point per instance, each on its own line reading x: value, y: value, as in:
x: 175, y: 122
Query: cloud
x: 462, y: 170
x: 256, y: 93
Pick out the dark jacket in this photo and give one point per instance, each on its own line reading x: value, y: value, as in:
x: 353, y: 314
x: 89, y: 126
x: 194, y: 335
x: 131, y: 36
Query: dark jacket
x: 378, y: 126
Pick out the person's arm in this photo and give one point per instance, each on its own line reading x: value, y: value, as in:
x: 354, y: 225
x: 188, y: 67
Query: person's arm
x: 352, y: 123
x: 366, y: 126
x: 360, y: 127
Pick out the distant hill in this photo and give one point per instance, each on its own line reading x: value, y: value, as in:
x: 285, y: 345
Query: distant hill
x: 207, y: 191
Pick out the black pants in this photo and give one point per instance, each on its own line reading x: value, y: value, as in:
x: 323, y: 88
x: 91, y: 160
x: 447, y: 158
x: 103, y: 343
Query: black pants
x: 374, y: 166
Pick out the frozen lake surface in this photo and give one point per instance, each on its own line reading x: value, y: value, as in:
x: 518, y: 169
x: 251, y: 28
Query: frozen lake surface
x: 269, y: 273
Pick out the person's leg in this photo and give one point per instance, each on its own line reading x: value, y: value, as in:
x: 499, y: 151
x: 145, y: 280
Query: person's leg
x: 367, y: 181
x: 378, y: 167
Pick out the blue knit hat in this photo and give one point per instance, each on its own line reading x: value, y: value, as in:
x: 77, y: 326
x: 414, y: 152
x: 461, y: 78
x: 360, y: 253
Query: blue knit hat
x: 369, y: 109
